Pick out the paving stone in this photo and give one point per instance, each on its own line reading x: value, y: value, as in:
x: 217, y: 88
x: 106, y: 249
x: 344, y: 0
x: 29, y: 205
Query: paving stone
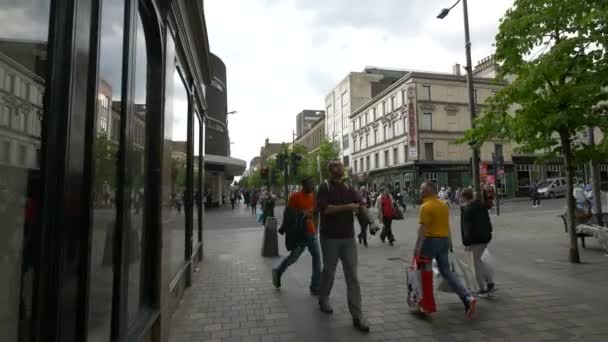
x: 232, y: 298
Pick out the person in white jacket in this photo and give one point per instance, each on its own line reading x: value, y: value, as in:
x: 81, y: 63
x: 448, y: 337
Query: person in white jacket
x: 579, y: 196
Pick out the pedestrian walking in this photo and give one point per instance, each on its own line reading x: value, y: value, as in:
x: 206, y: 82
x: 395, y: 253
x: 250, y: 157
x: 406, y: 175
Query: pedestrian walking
x: 233, y: 197
x: 337, y: 204
x: 367, y: 201
x: 300, y: 229
x: 403, y: 199
x: 535, y: 196
x: 386, y: 214
x: 476, y: 231
x: 434, y: 243
x: 254, y: 202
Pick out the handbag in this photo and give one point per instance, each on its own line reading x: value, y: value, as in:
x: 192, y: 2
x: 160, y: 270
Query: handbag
x: 397, y: 213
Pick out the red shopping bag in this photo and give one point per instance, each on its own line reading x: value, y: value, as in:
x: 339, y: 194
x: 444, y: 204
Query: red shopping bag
x: 425, y: 267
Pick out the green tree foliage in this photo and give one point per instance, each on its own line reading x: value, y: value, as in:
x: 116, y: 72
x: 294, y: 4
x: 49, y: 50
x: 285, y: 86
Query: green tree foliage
x: 554, y: 54
x: 105, y: 152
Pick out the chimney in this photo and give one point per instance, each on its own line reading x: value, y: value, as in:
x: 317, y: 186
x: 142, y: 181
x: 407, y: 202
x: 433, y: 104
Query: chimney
x: 456, y: 69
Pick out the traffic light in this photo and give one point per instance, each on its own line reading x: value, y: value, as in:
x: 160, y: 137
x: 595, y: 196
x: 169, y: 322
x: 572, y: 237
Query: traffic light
x: 281, y: 161
x: 296, y: 159
x: 264, y: 172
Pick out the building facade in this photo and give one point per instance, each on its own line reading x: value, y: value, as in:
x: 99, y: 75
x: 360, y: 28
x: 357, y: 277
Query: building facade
x: 313, y: 136
x: 409, y: 132
x: 350, y: 93
x: 220, y: 167
x: 306, y: 119
x: 268, y: 151
x: 103, y: 110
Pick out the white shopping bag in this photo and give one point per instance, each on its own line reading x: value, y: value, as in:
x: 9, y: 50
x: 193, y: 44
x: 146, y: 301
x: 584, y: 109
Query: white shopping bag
x: 488, y: 259
x: 414, y: 286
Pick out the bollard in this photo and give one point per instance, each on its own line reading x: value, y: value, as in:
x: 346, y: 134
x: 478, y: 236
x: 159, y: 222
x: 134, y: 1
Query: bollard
x: 270, y: 244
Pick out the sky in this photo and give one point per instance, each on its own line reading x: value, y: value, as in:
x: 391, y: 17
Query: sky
x: 283, y: 56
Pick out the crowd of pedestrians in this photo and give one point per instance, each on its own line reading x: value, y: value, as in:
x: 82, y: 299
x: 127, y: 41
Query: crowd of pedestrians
x: 323, y: 224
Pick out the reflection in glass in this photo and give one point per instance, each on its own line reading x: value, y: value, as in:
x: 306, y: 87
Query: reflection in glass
x: 105, y: 149
x: 23, y: 72
x: 196, y: 191
x: 134, y: 186
x: 176, y: 155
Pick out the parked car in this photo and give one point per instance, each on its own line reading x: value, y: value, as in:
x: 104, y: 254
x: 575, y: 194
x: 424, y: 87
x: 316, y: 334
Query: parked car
x: 552, y: 187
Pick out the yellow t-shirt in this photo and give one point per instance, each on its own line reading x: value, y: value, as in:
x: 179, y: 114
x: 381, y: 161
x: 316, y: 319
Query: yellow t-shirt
x: 435, y: 216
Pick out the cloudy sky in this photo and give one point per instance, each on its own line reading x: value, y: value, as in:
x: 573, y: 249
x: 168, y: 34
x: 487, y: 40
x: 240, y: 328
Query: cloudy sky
x: 283, y: 56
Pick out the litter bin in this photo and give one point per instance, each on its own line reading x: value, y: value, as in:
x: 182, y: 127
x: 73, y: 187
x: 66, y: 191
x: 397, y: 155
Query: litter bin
x: 270, y: 244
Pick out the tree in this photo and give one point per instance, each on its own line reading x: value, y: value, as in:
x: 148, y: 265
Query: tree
x: 555, y: 52
x: 325, y: 153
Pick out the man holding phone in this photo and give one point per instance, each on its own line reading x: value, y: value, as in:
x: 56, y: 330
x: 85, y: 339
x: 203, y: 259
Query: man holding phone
x: 337, y: 204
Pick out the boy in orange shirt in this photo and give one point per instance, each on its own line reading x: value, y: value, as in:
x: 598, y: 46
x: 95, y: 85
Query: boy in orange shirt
x: 305, y: 201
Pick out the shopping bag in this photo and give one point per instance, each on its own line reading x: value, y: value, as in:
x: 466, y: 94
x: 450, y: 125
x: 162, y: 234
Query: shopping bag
x: 414, y: 287
x: 427, y: 303
x: 488, y: 259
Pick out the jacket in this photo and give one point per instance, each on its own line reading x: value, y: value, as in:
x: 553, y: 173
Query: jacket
x: 294, y: 227
x: 380, y: 209
x: 475, y: 224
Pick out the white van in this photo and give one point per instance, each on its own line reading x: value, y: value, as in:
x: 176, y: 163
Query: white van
x: 552, y: 187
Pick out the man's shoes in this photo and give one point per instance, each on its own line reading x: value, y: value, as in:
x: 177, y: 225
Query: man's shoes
x: 361, y: 325
x: 360, y: 238
x: 325, y: 307
x: 276, y: 279
x: 491, y: 289
x: 470, y: 306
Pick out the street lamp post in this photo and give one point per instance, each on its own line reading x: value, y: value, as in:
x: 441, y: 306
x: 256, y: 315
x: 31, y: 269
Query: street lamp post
x: 475, y: 151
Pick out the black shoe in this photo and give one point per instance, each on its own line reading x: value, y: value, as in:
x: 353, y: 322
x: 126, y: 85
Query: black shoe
x: 491, y: 289
x: 326, y: 308
x: 391, y: 242
x: 361, y: 325
x: 365, y: 241
x: 360, y: 238
x: 276, y: 279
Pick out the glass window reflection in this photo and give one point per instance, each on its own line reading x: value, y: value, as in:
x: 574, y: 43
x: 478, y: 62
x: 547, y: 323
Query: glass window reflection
x: 196, y: 213
x: 23, y: 74
x: 134, y: 187
x: 177, y: 158
x: 105, y: 149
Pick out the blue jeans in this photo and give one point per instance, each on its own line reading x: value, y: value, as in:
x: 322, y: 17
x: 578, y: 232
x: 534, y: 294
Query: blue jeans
x: 312, y: 244
x: 438, y: 249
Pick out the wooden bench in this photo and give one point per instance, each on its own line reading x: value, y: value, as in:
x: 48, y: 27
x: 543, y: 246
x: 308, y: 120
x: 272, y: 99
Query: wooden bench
x: 592, y: 220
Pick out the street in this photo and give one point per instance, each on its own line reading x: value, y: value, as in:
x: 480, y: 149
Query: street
x: 541, y: 296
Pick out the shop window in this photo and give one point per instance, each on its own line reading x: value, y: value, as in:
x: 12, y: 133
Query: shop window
x: 136, y: 173
x: 23, y: 51
x: 176, y: 156
x: 429, y: 153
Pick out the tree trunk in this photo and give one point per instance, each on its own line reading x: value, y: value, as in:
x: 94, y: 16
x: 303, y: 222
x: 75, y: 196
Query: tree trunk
x: 567, y: 149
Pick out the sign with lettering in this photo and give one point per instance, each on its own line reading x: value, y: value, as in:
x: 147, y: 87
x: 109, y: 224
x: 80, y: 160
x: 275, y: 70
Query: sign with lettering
x: 412, y: 117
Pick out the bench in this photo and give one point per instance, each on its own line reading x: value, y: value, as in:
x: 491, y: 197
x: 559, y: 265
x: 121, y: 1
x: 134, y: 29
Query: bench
x: 592, y: 220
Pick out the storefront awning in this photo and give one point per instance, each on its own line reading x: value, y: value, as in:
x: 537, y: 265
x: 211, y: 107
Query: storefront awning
x: 230, y: 166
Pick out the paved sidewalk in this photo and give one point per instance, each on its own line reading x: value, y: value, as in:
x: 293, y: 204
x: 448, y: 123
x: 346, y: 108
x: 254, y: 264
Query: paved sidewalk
x: 541, y: 296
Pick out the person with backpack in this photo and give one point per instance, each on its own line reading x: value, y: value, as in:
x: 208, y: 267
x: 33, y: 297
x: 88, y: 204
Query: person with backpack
x: 337, y: 204
x: 385, y: 205
x: 476, y: 231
